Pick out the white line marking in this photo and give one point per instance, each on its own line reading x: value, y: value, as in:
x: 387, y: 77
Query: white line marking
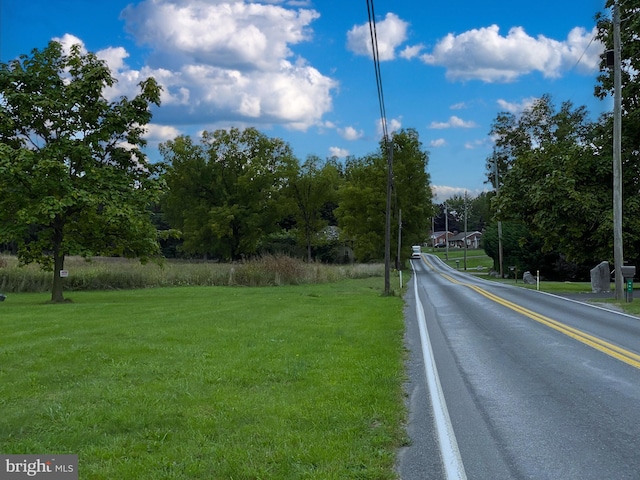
x: 454, y: 469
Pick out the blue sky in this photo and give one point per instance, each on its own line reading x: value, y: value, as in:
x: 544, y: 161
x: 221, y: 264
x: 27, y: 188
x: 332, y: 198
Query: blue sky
x: 300, y: 69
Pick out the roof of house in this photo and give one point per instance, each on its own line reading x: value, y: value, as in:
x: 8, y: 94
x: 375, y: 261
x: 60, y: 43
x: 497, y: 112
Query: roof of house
x: 462, y: 236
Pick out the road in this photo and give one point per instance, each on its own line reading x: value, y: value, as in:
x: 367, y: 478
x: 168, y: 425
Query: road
x: 510, y: 383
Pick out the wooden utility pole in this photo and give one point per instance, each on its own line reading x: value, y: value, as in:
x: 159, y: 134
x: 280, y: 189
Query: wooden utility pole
x: 618, y: 255
x: 387, y: 233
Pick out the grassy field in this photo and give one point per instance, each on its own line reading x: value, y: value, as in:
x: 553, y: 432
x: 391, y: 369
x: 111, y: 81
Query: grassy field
x: 207, y: 382
x: 477, y: 260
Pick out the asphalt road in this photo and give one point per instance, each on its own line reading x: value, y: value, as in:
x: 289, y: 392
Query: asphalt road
x: 534, y: 386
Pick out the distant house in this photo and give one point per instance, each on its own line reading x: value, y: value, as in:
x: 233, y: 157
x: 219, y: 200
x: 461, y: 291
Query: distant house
x: 472, y: 239
x: 439, y: 239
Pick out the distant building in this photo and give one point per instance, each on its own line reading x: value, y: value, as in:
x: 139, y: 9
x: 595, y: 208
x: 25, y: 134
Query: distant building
x: 439, y: 239
x: 472, y: 239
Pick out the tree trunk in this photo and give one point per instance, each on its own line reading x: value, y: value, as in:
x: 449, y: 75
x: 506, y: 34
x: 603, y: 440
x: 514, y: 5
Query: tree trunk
x: 58, y: 265
x: 308, y: 239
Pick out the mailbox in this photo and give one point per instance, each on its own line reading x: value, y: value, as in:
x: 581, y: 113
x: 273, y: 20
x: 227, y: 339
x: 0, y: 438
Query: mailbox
x: 628, y: 272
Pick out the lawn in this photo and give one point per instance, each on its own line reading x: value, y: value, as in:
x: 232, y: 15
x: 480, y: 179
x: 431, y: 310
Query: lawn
x: 477, y: 260
x: 207, y: 382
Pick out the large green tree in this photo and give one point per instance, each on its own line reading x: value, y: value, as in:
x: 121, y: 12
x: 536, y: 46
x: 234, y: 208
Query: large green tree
x: 361, y: 213
x: 630, y: 100
x: 73, y: 177
x: 225, y: 193
x: 314, y: 186
x: 555, y: 181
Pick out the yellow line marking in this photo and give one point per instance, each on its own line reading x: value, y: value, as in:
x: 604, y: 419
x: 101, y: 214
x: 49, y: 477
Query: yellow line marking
x: 610, y: 349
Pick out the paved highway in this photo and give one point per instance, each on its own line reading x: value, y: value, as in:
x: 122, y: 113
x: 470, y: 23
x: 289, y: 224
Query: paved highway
x: 510, y: 383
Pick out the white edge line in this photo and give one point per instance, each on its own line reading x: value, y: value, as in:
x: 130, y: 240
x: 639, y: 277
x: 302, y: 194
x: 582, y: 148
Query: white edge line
x: 454, y: 469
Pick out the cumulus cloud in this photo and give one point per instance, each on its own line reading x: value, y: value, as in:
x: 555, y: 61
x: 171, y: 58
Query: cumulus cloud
x: 453, y: 122
x: 161, y: 133
x: 225, y: 62
x: 458, y: 106
x: 517, y: 107
x: 390, y: 33
x: 350, y: 133
x: 393, y: 125
x: 338, y: 152
x: 411, y: 51
x: 472, y: 145
x: 441, y: 193
x: 440, y: 142
x: 484, y: 54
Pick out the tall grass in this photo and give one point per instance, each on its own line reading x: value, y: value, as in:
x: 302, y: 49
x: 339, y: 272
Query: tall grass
x: 119, y: 274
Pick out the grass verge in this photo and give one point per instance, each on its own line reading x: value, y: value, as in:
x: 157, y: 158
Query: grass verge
x: 207, y: 382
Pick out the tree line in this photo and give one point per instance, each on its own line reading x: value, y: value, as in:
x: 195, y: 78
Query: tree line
x: 553, y: 169
x: 74, y: 180
x: 238, y: 193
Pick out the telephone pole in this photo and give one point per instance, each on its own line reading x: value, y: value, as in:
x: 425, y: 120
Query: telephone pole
x: 618, y: 257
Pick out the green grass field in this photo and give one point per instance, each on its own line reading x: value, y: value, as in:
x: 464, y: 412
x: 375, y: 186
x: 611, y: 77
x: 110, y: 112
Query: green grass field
x: 207, y: 382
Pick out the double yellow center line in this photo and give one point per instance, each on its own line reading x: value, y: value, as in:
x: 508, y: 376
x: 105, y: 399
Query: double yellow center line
x: 610, y: 349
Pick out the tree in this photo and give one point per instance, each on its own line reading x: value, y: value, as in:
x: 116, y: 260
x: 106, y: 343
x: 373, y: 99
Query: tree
x: 361, y: 213
x: 73, y: 177
x: 314, y: 186
x: 225, y: 193
x: 556, y: 183
x: 630, y: 125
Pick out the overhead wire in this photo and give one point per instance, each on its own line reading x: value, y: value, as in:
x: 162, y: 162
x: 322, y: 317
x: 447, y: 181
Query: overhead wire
x: 376, y: 63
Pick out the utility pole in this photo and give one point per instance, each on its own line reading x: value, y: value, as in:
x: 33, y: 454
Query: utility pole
x: 387, y: 233
x: 495, y: 169
x: 446, y: 231
x: 398, y: 264
x: 465, y: 230
x: 618, y: 257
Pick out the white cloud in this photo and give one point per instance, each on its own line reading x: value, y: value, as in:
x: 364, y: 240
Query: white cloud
x: 441, y: 193
x: 458, y: 106
x: 484, y: 54
x: 224, y: 62
x: 440, y: 142
x: 472, y: 145
x: 161, y: 133
x: 390, y: 33
x: 453, y: 122
x: 392, y: 126
x: 517, y: 108
x: 411, y: 51
x: 67, y: 41
x: 350, y: 133
x: 338, y: 152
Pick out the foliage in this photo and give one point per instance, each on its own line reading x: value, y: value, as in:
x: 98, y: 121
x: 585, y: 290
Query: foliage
x: 225, y: 193
x: 555, y: 181
x: 630, y: 100
x: 312, y: 188
x: 73, y: 179
x: 361, y: 213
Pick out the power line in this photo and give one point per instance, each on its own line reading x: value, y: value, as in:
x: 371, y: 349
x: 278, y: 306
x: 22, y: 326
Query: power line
x: 376, y: 64
x: 388, y: 146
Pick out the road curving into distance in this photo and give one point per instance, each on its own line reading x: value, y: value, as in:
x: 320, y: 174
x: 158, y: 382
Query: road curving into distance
x: 533, y: 386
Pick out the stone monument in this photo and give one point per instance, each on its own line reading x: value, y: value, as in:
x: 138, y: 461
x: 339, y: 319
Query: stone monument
x: 601, y: 278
